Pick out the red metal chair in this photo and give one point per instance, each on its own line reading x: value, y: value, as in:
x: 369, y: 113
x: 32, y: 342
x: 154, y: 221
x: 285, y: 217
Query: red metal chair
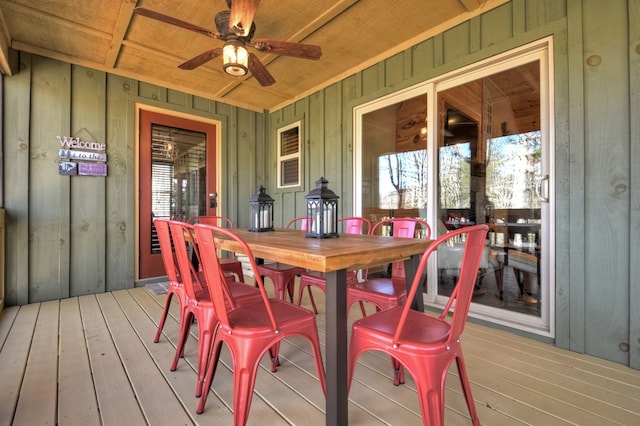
x: 229, y: 264
x: 198, y: 303
x: 249, y: 330
x: 383, y: 292
x: 282, y: 275
x: 175, y: 283
x: 351, y: 225
x: 424, y: 344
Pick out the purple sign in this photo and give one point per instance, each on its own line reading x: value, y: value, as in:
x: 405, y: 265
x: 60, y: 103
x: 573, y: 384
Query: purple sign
x: 92, y: 169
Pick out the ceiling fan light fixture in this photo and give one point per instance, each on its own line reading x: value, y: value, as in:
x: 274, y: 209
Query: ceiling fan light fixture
x: 235, y: 58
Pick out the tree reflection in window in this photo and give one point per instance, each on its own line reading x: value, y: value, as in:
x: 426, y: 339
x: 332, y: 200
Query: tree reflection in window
x: 455, y: 176
x: 402, y: 180
x: 513, y: 162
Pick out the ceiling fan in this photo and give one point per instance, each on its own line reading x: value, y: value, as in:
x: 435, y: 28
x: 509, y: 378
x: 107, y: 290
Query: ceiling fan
x: 236, y: 29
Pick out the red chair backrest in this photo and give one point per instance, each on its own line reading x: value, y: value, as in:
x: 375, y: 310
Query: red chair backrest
x: 188, y: 272
x: 168, y: 256
x: 206, y: 236
x: 403, y: 227
x: 463, y: 291
x: 212, y: 220
x: 302, y: 220
x: 355, y: 225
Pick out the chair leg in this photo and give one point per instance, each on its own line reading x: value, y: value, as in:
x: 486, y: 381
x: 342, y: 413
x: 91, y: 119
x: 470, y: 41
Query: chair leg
x: 210, y: 373
x: 185, y: 328
x: 466, y: 389
x: 303, y: 285
x: 204, y: 349
x: 398, y: 372
x: 273, y: 355
x: 364, y: 312
x: 163, y: 317
x: 430, y: 393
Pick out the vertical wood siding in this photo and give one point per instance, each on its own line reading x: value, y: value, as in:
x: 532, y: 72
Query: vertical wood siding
x: 634, y: 159
x: 75, y: 235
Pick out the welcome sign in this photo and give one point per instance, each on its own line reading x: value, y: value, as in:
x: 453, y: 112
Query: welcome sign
x: 74, y: 152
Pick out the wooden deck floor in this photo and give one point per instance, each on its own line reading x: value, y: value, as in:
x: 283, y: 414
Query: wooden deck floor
x: 91, y: 360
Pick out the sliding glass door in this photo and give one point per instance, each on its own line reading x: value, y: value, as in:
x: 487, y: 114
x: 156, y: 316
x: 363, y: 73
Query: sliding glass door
x: 472, y: 148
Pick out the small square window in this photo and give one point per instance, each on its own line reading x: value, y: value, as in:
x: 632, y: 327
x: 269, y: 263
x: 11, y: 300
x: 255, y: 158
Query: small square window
x: 289, y: 156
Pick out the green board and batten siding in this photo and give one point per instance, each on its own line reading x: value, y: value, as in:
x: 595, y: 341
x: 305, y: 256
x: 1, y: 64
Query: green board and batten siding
x: 76, y: 235
x: 69, y: 236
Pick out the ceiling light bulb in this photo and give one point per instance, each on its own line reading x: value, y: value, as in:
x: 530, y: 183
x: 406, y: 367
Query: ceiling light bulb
x: 235, y: 58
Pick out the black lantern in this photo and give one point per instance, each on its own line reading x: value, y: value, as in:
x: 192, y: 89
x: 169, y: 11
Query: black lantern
x: 261, y: 214
x: 322, y: 211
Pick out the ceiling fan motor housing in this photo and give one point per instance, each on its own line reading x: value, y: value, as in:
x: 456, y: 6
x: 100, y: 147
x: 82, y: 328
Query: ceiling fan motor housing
x: 226, y: 33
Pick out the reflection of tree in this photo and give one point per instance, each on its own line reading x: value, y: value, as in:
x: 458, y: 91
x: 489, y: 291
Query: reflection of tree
x: 455, y: 176
x: 407, y: 175
x: 513, y: 163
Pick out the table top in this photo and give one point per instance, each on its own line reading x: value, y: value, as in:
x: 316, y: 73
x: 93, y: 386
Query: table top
x: 348, y: 251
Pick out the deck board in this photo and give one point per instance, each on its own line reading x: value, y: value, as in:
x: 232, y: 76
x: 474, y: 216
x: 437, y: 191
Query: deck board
x: 77, y: 402
x: 99, y: 365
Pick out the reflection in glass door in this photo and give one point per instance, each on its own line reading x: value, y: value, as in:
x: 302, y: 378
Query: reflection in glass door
x: 490, y: 170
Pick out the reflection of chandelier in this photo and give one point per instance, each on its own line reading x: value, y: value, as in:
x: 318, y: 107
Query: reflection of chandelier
x: 171, y: 149
x: 164, y: 146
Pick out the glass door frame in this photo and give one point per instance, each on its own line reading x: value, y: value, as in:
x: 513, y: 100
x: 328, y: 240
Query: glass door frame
x: 540, y: 50
x: 137, y: 185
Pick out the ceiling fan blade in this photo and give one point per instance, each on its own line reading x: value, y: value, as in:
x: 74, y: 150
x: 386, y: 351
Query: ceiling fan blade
x: 174, y: 21
x: 297, y: 50
x: 202, y: 58
x: 241, y: 16
x: 259, y: 71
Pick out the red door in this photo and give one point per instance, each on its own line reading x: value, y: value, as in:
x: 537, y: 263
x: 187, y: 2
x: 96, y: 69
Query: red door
x: 177, y: 178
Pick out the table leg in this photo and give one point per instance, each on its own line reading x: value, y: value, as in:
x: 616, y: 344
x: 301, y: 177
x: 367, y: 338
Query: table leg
x: 337, y: 398
x: 410, y: 267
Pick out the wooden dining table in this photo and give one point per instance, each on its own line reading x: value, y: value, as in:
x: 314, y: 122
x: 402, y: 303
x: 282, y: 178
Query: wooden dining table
x: 334, y: 257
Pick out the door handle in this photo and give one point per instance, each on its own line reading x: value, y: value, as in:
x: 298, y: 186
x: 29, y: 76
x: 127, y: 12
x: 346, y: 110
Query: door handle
x: 213, y: 200
x: 542, y: 188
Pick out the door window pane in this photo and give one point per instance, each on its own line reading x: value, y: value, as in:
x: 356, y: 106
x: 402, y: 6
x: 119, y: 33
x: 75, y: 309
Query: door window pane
x: 490, y: 152
x: 394, y: 160
x: 177, y: 175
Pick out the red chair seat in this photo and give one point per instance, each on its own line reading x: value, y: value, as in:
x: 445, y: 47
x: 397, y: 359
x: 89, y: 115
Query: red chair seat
x: 384, y: 293
x: 282, y: 275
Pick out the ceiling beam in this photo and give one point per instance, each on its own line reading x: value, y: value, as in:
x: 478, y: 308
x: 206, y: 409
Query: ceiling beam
x: 120, y: 30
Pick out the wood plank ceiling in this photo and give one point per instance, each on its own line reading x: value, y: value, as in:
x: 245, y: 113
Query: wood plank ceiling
x: 106, y: 35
